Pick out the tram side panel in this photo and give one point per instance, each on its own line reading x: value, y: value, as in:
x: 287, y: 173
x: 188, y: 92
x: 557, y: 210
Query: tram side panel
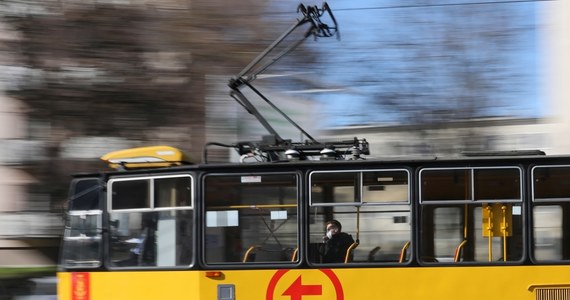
x: 468, y: 283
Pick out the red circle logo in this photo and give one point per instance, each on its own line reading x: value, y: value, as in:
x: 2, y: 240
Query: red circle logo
x: 296, y: 290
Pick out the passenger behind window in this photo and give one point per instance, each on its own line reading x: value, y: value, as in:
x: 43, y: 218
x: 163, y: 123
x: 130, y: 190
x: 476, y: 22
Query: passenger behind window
x: 336, y: 243
x: 143, y: 251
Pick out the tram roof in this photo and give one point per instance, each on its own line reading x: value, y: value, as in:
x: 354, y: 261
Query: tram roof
x: 499, y: 158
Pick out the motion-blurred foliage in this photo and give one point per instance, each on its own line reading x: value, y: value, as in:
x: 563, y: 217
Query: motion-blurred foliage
x: 135, y: 71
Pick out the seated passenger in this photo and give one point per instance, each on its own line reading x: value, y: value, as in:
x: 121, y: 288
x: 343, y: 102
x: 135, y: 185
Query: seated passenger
x: 336, y: 243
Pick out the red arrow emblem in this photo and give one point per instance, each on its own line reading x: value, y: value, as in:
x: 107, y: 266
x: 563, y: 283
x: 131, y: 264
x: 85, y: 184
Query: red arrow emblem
x: 297, y: 290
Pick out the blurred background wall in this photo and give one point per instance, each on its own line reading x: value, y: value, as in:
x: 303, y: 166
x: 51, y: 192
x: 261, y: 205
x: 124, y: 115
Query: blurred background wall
x: 79, y: 79
x: 554, y: 38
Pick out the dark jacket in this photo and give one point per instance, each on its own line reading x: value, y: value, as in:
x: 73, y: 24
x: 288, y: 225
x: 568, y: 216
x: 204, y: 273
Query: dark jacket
x: 335, y: 248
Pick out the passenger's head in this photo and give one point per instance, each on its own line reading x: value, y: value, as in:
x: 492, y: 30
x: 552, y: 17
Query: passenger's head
x: 334, y: 225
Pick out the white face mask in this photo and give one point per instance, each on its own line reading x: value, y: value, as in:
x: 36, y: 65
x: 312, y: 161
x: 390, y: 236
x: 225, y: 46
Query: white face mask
x: 330, y: 234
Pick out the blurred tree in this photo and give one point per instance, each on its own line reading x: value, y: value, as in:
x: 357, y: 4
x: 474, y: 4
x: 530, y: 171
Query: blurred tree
x: 457, y: 64
x: 134, y: 71
x: 428, y: 62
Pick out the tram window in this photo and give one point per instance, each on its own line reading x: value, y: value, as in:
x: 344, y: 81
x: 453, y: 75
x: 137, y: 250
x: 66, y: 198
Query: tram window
x: 151, y: 238
x: 498, y: 214
x: 334, y: 187
x: 85, y: 195
x: 381, y: 231
x: 83, y: 230
x: 251, y: 218
x: 551, y: 213
x: 460, y: 233
x: 385, y: 187
x: 377, y: 214
x: 444, y: 185
x: 82, y: 240
x: 552, y: 182
x: 147, y: 229
x: 172, y: 192
x: 447, y: 231
x: 493, y: 184
x: 131, y: 194
x: 548, y: 233
x: 460, y: 226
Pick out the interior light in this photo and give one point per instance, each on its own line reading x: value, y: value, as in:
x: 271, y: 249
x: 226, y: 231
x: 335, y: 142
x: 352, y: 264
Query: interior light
x: 379, y: 179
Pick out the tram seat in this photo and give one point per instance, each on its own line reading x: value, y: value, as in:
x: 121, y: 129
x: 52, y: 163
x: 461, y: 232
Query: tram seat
x: 249, y: 254
x: 372, y: 253
x: 459, y: 251
x: 294, y: 253
x: 429, y: 259
x: 404, y: 252
x: 349, y: 252
x: 266, y: 253
x: 315, y: 252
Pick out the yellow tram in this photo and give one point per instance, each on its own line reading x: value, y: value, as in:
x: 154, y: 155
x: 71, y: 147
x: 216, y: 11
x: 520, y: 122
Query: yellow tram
x: 493, y: 227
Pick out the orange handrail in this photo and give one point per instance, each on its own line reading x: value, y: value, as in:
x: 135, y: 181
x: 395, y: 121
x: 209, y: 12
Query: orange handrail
x: 347, y: 256
x: 404, y: 251
x: 457, y: 254
x: 294, y: 255
x: 246, y: 255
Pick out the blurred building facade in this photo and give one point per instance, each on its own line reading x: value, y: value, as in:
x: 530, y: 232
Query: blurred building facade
x: 29, y: 231
x: 451, y: 139
x: 555, y: 48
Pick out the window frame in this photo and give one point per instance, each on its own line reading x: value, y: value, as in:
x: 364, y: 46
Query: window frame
x: 360, y: 187
x: 473, y: 203
x: 472, y: 199
x: 252, y: 265
x: 361, y: 203
x: 152, y: 209
x: 543, y: 202
x: 151, y: 191
x: 532, y: 188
